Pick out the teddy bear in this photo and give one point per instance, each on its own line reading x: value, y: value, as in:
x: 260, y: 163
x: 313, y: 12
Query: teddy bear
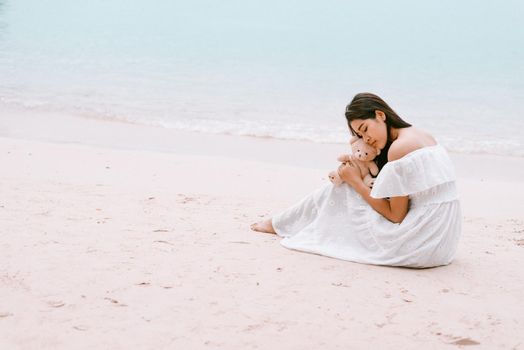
x: 363, y: 155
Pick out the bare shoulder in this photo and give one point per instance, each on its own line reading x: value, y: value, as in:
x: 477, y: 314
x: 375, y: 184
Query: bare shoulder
x: 399, y: 148
x: 409, y: 140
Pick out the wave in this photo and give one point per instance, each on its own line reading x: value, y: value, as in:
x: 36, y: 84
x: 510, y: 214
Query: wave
x: 271, y: 128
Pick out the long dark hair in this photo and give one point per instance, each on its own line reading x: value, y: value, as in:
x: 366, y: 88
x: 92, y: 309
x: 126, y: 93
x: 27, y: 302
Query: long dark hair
x: 363, y: 106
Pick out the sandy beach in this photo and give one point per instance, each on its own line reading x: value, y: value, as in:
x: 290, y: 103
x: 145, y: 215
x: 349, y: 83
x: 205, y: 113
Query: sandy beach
x: 119, y: 236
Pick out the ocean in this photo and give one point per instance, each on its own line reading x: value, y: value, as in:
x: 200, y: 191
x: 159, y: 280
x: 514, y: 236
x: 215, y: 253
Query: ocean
x: 272, y: 69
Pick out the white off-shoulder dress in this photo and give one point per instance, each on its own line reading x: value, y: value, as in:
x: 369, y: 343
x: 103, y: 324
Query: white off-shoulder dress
x: 336, y: 221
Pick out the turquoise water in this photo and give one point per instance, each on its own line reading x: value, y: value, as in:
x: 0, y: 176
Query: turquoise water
x: 271, y: 69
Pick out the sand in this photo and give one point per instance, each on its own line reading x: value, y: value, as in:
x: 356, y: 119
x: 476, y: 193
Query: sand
x: 119, y: 236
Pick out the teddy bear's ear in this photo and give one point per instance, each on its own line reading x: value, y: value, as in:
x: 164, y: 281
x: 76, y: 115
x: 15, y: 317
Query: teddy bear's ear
x: 354, y: 139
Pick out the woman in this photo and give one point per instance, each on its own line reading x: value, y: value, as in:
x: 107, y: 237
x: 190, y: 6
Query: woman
x: 410, y: 218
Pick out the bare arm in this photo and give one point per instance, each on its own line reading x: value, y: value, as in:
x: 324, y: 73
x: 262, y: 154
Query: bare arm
x: 395, y: 209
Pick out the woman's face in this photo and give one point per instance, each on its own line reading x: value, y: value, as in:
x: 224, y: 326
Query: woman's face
x: 374, y: 131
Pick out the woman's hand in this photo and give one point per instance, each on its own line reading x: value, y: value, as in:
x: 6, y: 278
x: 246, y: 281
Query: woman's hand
x: 349, y: 172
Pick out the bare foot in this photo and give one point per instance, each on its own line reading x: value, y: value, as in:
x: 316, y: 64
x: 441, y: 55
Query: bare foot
x: 263, y: 226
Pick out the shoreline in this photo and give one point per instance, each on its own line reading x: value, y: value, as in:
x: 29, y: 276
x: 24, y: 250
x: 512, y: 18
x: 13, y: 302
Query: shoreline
x: 63, y: 128
x: 126, y: 236
x: 476, y: 174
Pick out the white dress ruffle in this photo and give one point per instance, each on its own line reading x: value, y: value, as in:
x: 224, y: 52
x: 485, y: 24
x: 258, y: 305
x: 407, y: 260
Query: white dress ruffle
x: 336, y: 221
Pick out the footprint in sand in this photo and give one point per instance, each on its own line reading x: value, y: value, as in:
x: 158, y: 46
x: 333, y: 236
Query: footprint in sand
x: 56, y: 303
x: 465, y: 342
x: 519, y: 242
